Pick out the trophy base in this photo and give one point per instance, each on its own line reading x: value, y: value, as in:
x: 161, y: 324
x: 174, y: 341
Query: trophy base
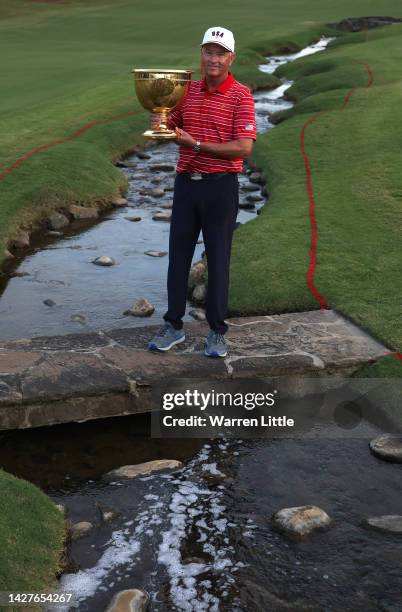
x: 155, y: 135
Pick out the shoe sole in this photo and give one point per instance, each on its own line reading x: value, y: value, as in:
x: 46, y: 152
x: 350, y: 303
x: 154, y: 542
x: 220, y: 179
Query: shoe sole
x: 153, y: 347
x: 214, y: 355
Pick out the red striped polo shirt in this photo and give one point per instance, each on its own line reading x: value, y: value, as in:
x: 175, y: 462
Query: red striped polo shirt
x: 226, y: 113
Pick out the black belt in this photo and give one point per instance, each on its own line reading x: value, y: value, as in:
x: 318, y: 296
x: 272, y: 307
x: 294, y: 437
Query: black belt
x: 199, y: 176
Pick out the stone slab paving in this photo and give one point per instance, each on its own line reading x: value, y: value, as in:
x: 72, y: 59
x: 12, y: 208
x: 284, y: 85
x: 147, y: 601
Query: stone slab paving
x: 49, y: 380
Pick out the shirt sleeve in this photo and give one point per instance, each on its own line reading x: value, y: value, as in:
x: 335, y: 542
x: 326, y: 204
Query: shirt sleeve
x: 244, y: 118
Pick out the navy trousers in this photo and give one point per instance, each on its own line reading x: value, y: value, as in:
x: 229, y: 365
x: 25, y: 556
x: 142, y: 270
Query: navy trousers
x: 210, y: 205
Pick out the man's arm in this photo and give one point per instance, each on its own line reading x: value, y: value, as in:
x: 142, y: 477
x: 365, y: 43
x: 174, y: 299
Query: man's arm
x: 240, y: 147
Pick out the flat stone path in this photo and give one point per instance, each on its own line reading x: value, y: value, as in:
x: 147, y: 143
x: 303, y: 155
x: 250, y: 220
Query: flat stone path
x: 78, y: 377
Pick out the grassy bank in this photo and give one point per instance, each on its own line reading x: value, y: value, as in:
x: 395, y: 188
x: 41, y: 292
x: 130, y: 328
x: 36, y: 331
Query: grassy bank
x: 32, y: 533
x: 355, y: 160
x: 68, y: 64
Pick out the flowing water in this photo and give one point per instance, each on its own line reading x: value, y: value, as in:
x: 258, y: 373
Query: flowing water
x: 199, y: 538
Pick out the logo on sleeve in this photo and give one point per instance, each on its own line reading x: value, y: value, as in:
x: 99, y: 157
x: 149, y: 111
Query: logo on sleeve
x: 249, y: 127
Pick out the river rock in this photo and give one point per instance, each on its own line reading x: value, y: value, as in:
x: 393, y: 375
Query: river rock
x: 213, y: 479
x: 54, y: 233
x: 83, y: 212
x: 389, y: 523
x: 18, y: 274
x: 356, y: 24
x: 246, y: 205
x: 153, y: 192
x: 167, y: 206
x: 156, y: 253
x: 162, y: 216
x: 8, y: 255
x: 143, y: 469
x: 250, y: 187
x: 78, y: 530
x: 197, y: 274
x: 256, y: 177
x: 119, y: 202
x: 129, y: 600
x: 57, y: 221
x: 254, y: 197
x: 20, y: 241
x: 198, y: 314
x: 300, y: 520
x: 200, y: 293
x: 142, y: 201
x: 142, y: 155
x: 162, y: 167
x: 108, y: 515
x: 141, y: 308
x: 388, y: 447
x: 78, y: 318
x: 49, y: 302
x: 104, y: 260
x: 134, y: 219
x: 125, y: 164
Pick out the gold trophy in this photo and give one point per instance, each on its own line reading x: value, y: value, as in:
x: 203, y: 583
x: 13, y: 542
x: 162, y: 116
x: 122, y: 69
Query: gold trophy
x: 159, y: 91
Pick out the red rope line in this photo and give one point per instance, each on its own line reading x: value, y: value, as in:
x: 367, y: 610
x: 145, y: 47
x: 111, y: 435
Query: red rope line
x: 396, y: 355
x: 314, y: 233
x: 54, y: 143
x: 313, y: 244
x: 370, y: 81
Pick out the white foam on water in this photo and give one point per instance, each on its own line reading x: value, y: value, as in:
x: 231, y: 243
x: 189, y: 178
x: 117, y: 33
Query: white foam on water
x: 278, y: 60
x: 211, y: 468
x: 85, y: 583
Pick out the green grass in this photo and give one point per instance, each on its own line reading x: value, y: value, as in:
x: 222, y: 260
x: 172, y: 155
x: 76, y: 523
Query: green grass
x: 355, y: 159
x: 32, y: 532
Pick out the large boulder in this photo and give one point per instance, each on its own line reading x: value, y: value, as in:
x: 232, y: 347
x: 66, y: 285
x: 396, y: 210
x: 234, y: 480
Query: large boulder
x: 300, y: 520
x: 143, y: 469
x: 388, y: 447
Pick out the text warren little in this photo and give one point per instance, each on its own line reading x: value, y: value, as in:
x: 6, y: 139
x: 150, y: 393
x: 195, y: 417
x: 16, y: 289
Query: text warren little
x: 222, y: 421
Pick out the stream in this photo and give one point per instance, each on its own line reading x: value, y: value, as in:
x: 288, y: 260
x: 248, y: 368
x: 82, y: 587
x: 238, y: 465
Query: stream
x: 199, y: 538
x: 87, y: 297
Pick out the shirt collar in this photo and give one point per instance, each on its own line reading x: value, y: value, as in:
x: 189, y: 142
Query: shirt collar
x: 223, y: 87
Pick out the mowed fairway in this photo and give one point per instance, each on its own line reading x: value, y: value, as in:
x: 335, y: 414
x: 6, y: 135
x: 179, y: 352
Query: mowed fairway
x: 67, y: 64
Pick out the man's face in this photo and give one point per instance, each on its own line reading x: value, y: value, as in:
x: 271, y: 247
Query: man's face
x: 215, y: 60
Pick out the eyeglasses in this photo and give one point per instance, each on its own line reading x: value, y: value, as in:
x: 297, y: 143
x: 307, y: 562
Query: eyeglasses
x: 210, y: 54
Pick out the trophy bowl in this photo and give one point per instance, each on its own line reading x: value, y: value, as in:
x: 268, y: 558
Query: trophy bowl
x: 159, y: 91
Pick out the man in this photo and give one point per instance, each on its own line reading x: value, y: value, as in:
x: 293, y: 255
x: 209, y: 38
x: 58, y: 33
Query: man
x: 215, y: 127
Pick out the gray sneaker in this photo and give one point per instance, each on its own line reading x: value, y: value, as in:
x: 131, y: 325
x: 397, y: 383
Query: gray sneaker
x: 215, y: 345
x: 166, y: 337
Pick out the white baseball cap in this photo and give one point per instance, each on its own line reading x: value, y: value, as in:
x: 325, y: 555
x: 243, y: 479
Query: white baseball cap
x: 219, y: 36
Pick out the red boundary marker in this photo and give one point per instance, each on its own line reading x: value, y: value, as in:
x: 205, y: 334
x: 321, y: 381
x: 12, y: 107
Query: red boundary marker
x: 313, y: 244
x: 314, y: 233
x: 54, y: 143
x: 396, y: 355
